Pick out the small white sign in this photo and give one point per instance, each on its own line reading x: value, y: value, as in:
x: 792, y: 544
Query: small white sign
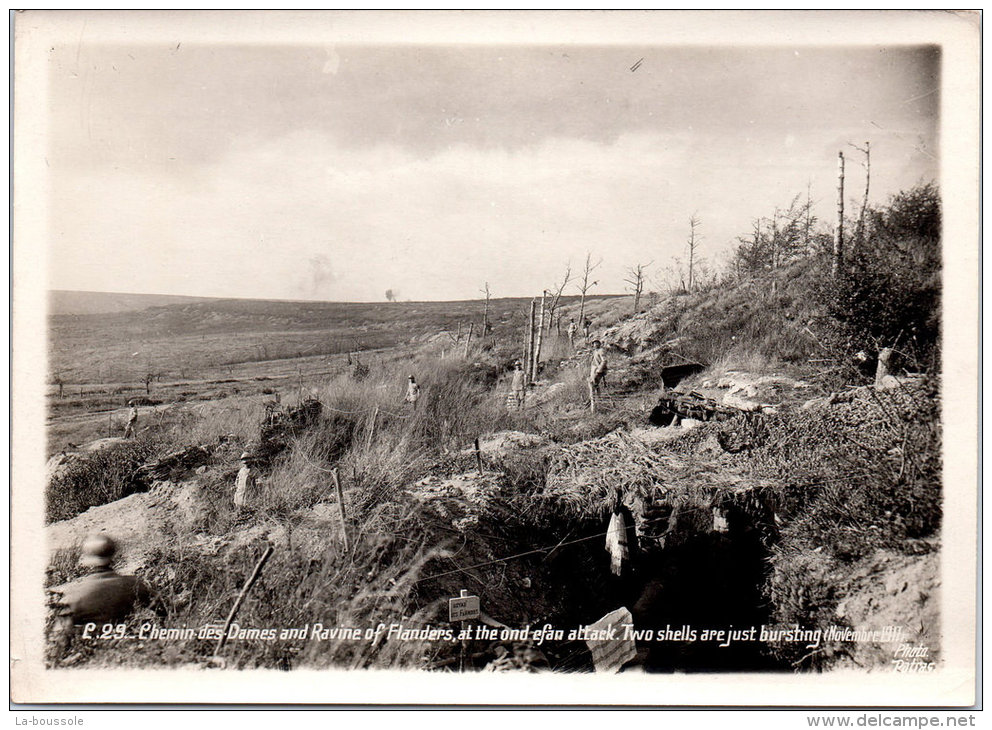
x: 464, y: 608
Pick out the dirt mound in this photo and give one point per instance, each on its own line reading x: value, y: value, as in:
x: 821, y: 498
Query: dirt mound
x: 752, y: 392
x: 637, y: 333
x: 140, y: 523
x: 892, y: 589
x: 104, y: 444
x: 503, y: 443
x: 460, y: 499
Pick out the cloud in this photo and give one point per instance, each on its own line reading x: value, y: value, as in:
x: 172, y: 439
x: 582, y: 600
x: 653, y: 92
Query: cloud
x: 277, y: 211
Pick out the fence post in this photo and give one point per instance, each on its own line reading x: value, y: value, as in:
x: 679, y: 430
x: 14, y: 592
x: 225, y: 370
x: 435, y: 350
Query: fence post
x: 341, y: 513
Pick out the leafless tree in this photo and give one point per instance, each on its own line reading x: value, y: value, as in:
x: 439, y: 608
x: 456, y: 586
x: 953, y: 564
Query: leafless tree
x: 838, y: 257
x: 556, y: 295
x: 485, y: 314
x: 860, y: 230
x: 586, y: 284
x: 635, y: 277
x: 693, y: 244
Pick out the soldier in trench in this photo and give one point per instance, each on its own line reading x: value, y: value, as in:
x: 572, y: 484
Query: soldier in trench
x: 102, y: 596
x: 245, y: 484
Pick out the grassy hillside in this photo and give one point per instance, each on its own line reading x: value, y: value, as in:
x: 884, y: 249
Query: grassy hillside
x: 816, y: 502
x: 88, y: 302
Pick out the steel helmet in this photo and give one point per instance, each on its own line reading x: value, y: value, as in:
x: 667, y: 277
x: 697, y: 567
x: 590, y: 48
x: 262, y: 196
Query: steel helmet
x: 98, y: 551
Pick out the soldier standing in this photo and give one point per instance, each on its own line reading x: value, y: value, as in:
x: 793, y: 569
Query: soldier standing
x: 245, y: 482
x: 518, y: 392
x: 597, y: 367
x: 412, y: 391
x: 132, y: 421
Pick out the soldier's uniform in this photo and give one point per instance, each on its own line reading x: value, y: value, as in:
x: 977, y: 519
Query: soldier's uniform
x: 517, y: 389
x: 132, y: 419
x: 103, y: 595
x: 597, y: 367
x: 412, y: 392
x: 245, y: 484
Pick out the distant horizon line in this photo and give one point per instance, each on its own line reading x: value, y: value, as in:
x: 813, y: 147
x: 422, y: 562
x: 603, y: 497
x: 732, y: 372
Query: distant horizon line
x: 314, y: 301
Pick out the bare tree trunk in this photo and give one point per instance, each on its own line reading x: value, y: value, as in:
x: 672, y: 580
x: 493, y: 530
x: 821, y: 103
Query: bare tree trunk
x: 774, y: 241
x: 838, y: 259
x: 692, y: 252
x: 586, y: 286
x: 529, y: 360
x: 859, y: 234
x: 809, y: 221
x: 485, y: 314
x: 540, y: 336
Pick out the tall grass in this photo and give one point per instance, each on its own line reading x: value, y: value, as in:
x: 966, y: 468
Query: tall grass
x: 93, y: 479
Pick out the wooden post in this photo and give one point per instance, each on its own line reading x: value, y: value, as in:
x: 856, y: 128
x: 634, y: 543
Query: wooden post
x: 882, y: 369
x: 468, y: 339
x: 540, y: 337
x: 241, y: 596
x: 463, y: 594
x: 529, y: 360
x: 839, y: 231
x: 478, y: 455
x: 341, y: 512
x: 368, y: 439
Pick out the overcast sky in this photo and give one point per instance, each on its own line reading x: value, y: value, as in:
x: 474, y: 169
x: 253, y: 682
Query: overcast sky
x: 336, y: 173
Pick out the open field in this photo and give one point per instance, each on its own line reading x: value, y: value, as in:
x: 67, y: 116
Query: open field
x: 210, y: 338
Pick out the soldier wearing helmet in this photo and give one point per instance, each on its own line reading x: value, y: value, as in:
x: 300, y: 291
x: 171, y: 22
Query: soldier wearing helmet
x: 102, y: 595
x: 244, y: 486
x: 412, y: 391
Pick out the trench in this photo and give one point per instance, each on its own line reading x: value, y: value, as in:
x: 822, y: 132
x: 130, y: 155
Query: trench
x: 703, y: 580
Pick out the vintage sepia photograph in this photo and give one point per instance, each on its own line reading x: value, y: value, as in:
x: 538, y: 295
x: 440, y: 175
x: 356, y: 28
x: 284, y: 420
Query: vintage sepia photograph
x: 569, y: 357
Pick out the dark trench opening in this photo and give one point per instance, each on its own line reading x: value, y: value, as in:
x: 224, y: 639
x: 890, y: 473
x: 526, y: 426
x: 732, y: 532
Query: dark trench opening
x: 701, y: 580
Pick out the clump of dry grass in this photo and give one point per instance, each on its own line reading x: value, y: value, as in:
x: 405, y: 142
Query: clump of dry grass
x: 94, y: 478
x: 586, y: 478
x: 237, y: 419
